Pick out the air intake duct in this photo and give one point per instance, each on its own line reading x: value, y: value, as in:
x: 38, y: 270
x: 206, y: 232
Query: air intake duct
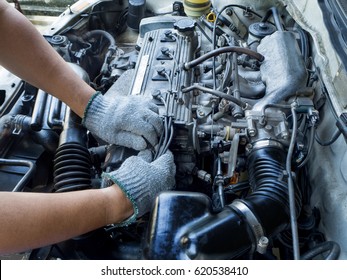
x: 72, y: 159
x: 184, y: 226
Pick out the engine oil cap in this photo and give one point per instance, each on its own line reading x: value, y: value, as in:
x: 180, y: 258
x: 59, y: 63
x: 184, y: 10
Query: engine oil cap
x: 185, y: 25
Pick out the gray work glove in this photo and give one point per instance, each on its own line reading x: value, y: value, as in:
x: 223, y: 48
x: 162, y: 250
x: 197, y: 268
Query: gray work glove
x: 129, y: 121
x: 142, y: 181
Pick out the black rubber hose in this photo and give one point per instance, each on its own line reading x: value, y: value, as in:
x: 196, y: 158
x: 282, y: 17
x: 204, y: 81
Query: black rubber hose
x: 101, y: 33
x: 329, y: 246
x: 216, y: 52
x: 111, y: 49
x: 310, y: 145
x: 276, y: 17
x: 269, y: 200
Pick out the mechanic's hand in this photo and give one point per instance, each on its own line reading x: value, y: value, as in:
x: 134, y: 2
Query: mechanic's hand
x: 142, y: 181
x: 129, y: 121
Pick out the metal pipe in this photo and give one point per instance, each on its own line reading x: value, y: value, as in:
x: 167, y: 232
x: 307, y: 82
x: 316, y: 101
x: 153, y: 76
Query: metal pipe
x: 219, y: 182
x: 28, y: 175
x: 220, y: 94
x: 237, y: 113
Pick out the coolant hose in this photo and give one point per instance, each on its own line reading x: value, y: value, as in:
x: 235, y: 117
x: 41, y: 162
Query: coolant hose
x: 111, y: 49
x: 101, y: 33
x: 216, y: 52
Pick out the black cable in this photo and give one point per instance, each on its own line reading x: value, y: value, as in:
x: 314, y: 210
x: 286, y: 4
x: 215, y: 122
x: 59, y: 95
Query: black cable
x: 310, y: 145
x: 166, y: 147
x: 204, y: 33
x: 276, y: 17
x: 293, y: 221
x: 329, y: 246
x: 167, y: 136
x: 335, y: 136
x: 163, y: 135
x: 241, y: 186
x: 325, y: 92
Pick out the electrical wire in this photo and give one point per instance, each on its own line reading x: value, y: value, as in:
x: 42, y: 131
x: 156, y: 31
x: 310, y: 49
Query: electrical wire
x: 204, y: 33
x: 293, y: 221
x: 167, y: 136
x: 310, y: 145
x: 325, y: 92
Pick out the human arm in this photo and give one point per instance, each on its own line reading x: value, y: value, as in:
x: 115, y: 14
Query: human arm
x: 130, y: 121
x: 31, y: 220
x: 26, y: 53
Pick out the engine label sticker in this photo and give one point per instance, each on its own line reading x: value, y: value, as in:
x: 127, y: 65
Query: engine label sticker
x: 140, y: 75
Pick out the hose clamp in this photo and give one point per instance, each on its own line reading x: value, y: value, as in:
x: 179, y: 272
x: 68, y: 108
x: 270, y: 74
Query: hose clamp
x: 260, y: 144
x: 257, y: 229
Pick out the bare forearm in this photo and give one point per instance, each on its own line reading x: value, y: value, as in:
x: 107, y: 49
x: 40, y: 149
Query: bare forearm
x: 25, y: 53
x: 31, y: 220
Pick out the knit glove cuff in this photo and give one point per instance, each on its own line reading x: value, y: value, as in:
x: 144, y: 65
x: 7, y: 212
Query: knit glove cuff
x: 133, y: 187
x: 142, y: 181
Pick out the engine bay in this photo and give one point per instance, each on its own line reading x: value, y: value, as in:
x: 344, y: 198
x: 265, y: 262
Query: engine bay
x: 244, y: 107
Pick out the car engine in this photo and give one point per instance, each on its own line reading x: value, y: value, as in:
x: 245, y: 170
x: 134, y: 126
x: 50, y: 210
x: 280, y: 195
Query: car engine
x: 249, y: 113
